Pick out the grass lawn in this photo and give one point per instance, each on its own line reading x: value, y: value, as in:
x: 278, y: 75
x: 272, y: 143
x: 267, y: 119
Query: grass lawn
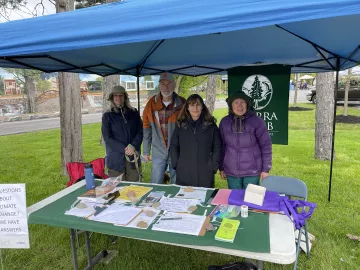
x: 34, y: 159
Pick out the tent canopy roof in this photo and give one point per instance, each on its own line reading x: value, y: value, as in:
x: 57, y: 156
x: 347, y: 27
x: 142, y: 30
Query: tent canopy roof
x: 141, y: 37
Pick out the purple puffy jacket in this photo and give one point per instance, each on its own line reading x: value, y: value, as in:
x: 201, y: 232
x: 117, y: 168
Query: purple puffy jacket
x: 247, y: 153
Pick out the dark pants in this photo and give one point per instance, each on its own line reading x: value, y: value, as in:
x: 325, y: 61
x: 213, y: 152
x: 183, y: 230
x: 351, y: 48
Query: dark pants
x: 242, y: 182
x: 131, y: 174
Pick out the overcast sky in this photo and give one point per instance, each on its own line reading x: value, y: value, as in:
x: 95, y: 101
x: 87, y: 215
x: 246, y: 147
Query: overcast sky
x: 49, y: 8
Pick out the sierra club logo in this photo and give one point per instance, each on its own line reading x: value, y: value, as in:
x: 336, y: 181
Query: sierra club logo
x: 259, y: 88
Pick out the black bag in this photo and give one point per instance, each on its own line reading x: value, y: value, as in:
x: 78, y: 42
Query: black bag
x: 234, y: 266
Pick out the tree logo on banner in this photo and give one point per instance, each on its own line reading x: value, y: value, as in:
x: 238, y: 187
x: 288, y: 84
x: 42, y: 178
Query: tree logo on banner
x: 259, y: 88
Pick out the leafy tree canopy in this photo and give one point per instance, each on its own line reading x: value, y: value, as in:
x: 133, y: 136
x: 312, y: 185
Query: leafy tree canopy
x: 11, y: 4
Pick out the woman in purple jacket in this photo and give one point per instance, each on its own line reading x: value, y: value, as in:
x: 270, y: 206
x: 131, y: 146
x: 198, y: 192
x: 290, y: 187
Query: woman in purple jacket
x: 246, y: 153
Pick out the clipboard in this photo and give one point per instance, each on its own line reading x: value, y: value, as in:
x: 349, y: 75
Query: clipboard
x: 203, y: 228
x: 187, y: 224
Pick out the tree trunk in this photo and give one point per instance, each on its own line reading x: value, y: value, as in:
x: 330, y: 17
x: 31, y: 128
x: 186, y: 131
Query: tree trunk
x: 178, y: 83
x: 109, y: 83
x: 70, y: 119
x: 31, y: 93
x: 70, y: 108
x: 296, y: 89
x: 211, y: 93
x: 325, y: 102
x: 347, y: 88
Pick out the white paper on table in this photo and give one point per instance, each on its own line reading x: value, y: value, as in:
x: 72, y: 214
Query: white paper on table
x: 80, y: 212
x: 188, y: 224
x: 117, y: 214
x: 84, y: 211
x: 199, y: 194
x: 144, y: 217
x: 176, y: 204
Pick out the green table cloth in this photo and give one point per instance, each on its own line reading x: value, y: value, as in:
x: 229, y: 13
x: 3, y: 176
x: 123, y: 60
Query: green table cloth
x: 252, y: 236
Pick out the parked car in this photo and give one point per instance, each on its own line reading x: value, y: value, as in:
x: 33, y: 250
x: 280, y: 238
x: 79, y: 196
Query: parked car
x: 354, y: 93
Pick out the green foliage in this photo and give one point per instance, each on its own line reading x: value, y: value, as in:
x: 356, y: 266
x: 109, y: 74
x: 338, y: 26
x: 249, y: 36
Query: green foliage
x: 88, y: 3
x: 100, y: 79
x: 188, y: 82
x: 43, y: 85
x: 292, y: 75
x: 20, y: 74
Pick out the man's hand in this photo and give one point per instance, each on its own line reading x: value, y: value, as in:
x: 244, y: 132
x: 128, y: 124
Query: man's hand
x: 223, y: 175
x: 263, y: 175
x: 147, y: 157
x: 129, y: 151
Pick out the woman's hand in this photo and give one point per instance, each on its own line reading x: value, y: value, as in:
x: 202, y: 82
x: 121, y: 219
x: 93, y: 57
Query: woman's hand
x: 263, y: 175
x: 129, y: 151
x: 223, y: 175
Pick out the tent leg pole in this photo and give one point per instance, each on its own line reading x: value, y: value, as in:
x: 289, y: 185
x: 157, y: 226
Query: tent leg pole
x: 334, y: 125
x: 138, y: 86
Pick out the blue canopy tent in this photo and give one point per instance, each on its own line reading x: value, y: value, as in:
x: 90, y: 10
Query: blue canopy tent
x: 141, y: 37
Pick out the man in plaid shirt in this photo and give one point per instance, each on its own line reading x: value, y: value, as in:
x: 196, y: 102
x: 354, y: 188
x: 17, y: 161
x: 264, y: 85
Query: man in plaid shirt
x: 159, y: 120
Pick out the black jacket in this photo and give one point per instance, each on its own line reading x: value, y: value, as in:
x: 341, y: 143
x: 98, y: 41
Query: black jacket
x: 195, y: 153
x: 119, y: 130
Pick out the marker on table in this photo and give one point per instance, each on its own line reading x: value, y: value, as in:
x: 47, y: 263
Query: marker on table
x: 174, y: 218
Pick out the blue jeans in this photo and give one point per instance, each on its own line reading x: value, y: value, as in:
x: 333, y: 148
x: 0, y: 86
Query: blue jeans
x: 242, y: 182
x: 158, y: 168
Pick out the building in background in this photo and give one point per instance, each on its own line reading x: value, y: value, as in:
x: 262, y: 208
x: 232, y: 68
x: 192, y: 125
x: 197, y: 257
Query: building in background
x: 147, y: 83
x: 11, y: 87
x: 149, y: 86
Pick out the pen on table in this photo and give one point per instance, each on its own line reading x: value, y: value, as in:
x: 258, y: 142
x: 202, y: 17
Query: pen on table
x: 175, y: 218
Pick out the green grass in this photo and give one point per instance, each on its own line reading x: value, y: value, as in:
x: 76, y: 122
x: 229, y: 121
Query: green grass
x: 34, y: 159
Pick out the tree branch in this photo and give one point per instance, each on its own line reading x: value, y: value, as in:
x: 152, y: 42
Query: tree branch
x: 18, y: 77
x: 4, y: 16
x: 41, y: 4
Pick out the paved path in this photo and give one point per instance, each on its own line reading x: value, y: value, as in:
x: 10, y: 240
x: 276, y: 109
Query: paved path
x: 7, y: 128
x: 24, y: 126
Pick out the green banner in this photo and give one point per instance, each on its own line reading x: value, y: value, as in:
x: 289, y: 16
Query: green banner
x: 269, y: 88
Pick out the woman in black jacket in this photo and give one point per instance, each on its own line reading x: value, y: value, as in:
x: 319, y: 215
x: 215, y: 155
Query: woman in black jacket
x: 195, y: 145
x: 123, y: 134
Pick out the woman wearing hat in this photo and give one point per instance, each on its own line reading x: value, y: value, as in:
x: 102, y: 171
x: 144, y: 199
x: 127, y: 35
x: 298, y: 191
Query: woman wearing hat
x: 195, y: 145
x: 246, y: 154
x: 123, y: 133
